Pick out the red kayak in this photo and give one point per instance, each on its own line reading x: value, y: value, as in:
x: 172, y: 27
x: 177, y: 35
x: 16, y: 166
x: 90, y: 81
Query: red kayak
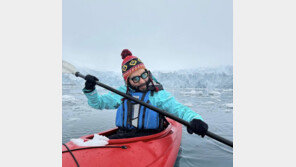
x: 160, y: 149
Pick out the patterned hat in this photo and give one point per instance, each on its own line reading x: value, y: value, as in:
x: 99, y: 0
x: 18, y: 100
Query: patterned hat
x: 130, y: 64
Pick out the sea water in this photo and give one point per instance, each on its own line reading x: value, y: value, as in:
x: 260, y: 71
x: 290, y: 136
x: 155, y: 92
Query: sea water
x: 214, y: 105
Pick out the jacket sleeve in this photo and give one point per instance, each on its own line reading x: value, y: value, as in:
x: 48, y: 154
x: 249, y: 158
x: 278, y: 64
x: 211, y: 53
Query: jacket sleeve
x: 165, y: 101
x: 106, y: 101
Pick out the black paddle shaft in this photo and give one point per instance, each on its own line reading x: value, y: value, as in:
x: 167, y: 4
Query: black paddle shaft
x: 210, y: 134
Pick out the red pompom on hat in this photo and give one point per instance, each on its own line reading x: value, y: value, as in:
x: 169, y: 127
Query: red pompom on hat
x: 130, y: 63
x: 125, y: 53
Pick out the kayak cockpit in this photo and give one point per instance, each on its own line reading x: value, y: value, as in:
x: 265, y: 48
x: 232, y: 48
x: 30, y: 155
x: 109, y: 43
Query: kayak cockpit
x: 130, y: 139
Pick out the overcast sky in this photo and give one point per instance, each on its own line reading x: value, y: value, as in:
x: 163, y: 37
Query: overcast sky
x: 165, y: 34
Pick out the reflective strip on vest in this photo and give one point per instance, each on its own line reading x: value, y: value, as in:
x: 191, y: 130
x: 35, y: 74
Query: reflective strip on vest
x: 135, y: 116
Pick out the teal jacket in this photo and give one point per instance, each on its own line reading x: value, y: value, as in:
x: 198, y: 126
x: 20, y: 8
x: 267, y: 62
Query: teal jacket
x: 161, y: 99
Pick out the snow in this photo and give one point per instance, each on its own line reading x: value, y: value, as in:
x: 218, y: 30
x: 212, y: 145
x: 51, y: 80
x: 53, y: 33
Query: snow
x: 209, y: 102
x: 68, y: 98
x: 74, y: 119
x: 192, y: 92
x: 214, y: 93
x: 98, y: 140
x: 229, y: 105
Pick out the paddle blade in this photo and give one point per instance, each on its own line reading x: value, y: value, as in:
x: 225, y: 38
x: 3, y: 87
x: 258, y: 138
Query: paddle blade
x: 68, y: 68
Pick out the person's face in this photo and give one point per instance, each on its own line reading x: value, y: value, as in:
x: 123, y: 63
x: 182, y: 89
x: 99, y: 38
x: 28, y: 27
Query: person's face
x: 136, y: 80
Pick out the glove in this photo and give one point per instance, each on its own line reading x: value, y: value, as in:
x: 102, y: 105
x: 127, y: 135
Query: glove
x: 198, y: 126
x: 90, y: 83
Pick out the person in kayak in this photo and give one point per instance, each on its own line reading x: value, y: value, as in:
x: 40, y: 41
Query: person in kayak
x: 133, y: 119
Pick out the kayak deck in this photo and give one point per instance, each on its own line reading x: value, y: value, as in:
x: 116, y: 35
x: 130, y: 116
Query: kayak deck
x: 160, y: 149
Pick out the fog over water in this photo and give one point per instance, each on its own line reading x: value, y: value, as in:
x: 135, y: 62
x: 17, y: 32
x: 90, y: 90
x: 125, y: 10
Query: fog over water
x: 166, y: 35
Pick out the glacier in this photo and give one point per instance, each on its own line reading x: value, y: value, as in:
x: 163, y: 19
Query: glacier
x: 209, y: 78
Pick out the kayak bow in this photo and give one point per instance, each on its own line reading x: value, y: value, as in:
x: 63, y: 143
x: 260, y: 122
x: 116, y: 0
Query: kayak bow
x: 160, y: 149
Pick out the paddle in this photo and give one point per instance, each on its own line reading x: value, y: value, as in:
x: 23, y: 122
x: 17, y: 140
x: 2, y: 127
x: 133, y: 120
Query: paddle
x: 69, y: 68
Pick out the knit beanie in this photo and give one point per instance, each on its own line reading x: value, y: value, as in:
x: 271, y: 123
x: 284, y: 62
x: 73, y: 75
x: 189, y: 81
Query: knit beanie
x: 130, y: 64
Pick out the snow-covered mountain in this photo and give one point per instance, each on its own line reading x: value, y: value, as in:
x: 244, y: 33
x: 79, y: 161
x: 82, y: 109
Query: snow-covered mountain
x: 221, y: 77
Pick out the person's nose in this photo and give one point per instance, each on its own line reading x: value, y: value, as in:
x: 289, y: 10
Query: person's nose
x: 141, y: 80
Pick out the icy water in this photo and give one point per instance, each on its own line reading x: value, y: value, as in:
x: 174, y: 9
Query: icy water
x: 215, y: 106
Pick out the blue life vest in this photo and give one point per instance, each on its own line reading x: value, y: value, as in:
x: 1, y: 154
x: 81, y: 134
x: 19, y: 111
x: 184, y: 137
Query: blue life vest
x: 135, y: 116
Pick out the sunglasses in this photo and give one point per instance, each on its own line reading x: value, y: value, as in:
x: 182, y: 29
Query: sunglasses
x: 136, y: 79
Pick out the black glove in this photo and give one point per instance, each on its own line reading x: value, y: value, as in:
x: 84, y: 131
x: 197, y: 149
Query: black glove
x: 198, y: 126
x: 90, y: 83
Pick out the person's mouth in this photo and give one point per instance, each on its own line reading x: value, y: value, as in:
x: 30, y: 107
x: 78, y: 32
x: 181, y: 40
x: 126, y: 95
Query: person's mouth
x: 143, y: 86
